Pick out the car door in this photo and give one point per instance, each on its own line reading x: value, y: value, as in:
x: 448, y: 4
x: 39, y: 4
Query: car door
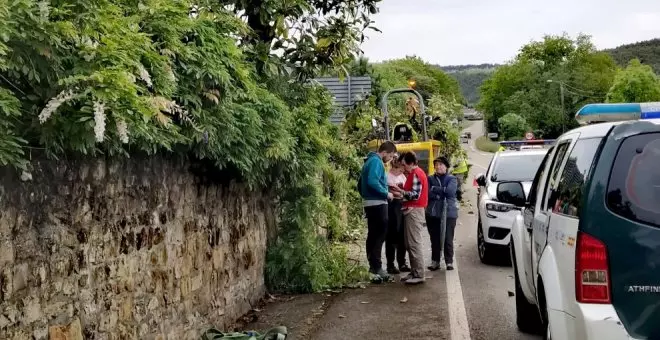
x: 528, y: 216
x: 542, y: 213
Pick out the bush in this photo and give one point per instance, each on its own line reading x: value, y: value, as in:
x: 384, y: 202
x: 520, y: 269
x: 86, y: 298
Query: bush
x: 484, y: 143
x: 118, y: 77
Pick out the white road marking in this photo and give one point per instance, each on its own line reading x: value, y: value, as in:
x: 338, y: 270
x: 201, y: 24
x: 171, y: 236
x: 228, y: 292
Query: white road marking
x: 458, y: 322
x: 480, y: 166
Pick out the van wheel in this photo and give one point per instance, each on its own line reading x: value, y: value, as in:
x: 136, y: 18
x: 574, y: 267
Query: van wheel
x: 528, y: 318
x: 485, y: 250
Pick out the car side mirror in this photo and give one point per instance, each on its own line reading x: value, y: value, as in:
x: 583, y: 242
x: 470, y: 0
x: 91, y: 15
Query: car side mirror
x: 511, y: 193
x: 481, y: 180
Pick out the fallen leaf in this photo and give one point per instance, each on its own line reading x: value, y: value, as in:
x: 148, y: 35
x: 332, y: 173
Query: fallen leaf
x: 258, y: 310
x: 365, y: 302
x: 342, y: 316
x: 404, y: 300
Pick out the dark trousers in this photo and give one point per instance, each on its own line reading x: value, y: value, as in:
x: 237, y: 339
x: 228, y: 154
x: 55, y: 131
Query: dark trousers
x: 377, y: 220
x: 395, y: 248
x: 434, y: 225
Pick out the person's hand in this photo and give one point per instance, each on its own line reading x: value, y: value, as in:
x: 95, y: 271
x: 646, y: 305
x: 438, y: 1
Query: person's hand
x: 390, y: 196
x: 398, y: 195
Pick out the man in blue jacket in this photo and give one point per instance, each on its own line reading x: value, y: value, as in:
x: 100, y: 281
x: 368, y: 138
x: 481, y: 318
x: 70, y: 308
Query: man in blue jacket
x: 372, y: 186
x: 442, y: 206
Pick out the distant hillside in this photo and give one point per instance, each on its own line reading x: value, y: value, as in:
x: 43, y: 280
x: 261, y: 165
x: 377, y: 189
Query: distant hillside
x: 469, y: 78
x: 648, y: 52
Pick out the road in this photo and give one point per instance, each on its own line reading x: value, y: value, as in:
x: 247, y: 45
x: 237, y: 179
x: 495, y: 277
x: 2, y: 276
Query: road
x: 490, y: 310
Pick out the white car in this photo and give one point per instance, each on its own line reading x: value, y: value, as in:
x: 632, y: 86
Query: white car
x: 586, y: 247
x: 495, y: 218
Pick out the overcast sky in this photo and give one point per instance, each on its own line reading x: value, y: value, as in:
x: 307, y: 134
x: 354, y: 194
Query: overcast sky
x: 452, y: 32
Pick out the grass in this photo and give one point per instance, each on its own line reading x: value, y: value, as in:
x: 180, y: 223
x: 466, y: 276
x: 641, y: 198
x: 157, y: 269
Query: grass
x: 484, y: 143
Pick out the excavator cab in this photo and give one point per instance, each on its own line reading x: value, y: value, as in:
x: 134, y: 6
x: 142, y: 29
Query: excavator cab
x: 405, y: 136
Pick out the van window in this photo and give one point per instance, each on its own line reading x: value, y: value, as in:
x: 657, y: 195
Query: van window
x: 554, y: 169
x: 634, y: 187
x: 576, y: 172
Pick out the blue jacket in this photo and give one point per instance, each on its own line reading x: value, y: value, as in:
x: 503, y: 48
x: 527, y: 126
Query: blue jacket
x: 372, y: 184
x: 441, y: 189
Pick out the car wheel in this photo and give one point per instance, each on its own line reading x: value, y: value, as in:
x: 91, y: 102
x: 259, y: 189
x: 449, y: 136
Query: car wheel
x: 485, y: 250
x: 528, y: 318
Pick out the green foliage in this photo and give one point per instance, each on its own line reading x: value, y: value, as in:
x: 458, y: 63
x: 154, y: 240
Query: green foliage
x: 522, y: 88
x: 429, y: 79
x: 119, y: 77
x: 442, y: 100
x: 512, y: 126
x: 302, y: 37
x: 635, y: 84
x: 483, y: 143
x: 648, y: 52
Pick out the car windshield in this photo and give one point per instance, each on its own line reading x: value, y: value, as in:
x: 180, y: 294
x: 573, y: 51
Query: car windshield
x: 517, y: 168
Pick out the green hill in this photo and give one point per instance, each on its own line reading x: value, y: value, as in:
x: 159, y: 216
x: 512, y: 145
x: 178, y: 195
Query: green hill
x: 469, y: 78
x: 648, y: 52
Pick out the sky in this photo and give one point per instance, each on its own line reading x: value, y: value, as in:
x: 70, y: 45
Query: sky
x: 456, y: 32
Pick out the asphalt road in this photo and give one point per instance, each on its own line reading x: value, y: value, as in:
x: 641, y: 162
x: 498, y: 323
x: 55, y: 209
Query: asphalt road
x: 490, y: 310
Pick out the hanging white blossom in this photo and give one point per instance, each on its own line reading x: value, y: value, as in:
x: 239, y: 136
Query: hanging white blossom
x: 44, y: 10
x: 54, y: 104
x: 122, y: 131
x: 99, y: 121
x: 144, y: 75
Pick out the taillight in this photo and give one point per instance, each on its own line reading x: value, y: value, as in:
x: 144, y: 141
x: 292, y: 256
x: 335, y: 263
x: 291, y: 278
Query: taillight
x: 592, y: 277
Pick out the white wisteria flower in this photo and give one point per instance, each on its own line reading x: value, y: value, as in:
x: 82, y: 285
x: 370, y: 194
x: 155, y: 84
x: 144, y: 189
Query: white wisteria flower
x: 144, y: 75
x: 99, y: 121
x: 54, y: 104
x: 122, y: 131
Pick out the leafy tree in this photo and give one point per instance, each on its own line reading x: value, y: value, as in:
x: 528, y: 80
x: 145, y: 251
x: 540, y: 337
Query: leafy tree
x: 513, y: 126
x: 521, y: 87
x: 310, y: 35
x: 636, y: 83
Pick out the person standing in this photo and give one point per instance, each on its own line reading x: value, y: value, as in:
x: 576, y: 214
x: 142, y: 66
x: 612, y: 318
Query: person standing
x: 395, y: 249
x: 443, y: 206
x: 372, y: 186
x: 415, y: 199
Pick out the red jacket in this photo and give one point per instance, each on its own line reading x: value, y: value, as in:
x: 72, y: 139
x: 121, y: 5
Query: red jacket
x: 423, y: 199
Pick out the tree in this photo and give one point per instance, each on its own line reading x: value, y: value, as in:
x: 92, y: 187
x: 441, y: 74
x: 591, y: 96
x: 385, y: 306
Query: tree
x: 636, y: 83
x: 521, y: 87
x: 513, y: 126
x: 310, y: 35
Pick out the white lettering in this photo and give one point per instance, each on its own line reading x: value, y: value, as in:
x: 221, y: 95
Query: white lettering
x: 643, y: 289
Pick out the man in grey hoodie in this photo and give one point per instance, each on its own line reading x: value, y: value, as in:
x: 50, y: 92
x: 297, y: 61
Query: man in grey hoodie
x: 373, y: 188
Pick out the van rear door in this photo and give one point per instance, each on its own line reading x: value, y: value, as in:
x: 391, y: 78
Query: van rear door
x: 623, y: 212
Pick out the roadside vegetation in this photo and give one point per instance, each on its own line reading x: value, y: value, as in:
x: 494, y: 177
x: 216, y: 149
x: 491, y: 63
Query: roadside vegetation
x: 525, y: 93
x: 485, y: 144
x: 205, y: 80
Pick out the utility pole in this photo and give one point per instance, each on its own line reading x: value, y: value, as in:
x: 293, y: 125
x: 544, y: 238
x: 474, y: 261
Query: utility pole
x: 563, y: 110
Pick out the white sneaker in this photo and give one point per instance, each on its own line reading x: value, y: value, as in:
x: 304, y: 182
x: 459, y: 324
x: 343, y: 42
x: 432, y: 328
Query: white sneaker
x: 407, y: 277
x: 415, y: 281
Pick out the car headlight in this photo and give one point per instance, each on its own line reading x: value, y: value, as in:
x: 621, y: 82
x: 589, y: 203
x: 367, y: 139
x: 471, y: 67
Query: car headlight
x: 498, y: 207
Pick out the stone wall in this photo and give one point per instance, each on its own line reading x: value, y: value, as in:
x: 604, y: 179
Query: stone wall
x: 147, y: 248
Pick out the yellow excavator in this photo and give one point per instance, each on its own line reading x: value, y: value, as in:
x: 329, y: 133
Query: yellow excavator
x: 403, y: 134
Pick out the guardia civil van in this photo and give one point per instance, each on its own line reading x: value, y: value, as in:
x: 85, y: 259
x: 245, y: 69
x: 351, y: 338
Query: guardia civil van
x: 586, y: 246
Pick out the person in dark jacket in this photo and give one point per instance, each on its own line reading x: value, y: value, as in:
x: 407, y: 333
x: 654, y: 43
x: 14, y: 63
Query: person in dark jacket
x: 443, y: 206
x: 375, y: 193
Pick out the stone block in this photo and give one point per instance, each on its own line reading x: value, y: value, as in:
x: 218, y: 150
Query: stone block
x: 21, y: 276
x: 6, y: 254
x: 72, y: 331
